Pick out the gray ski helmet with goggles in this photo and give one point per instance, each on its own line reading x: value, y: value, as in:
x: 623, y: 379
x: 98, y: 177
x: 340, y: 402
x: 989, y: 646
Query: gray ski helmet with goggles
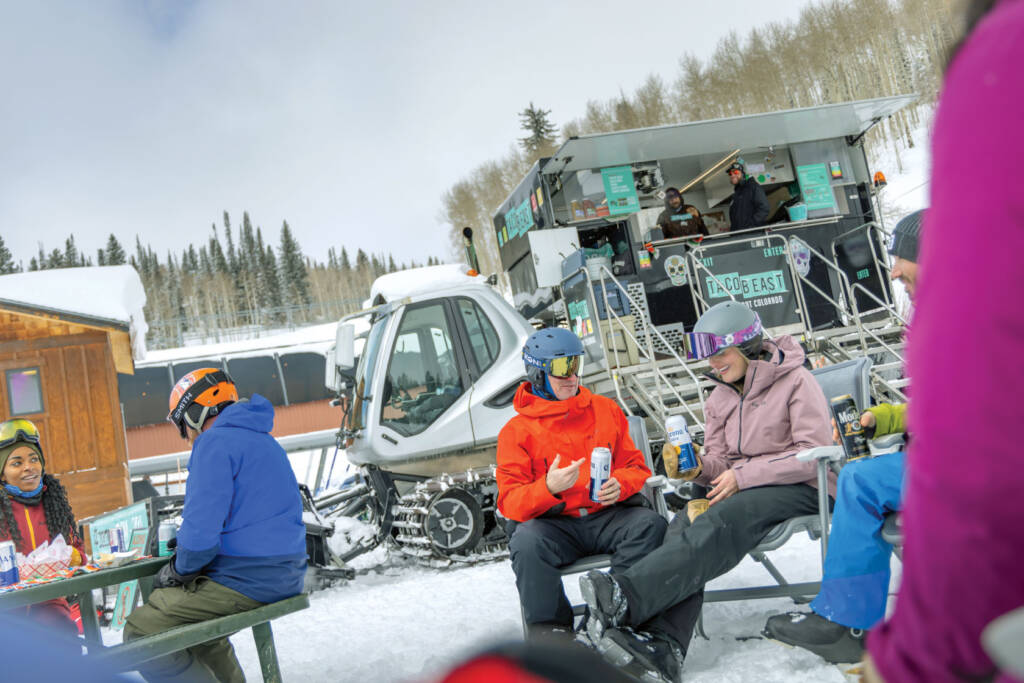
x: 729, y: 323
x: 551, y: 351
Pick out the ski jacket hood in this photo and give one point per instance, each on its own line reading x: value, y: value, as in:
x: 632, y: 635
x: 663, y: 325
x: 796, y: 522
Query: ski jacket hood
x: 757, y: 434
x: 255, y: 414
x: 570, y: 430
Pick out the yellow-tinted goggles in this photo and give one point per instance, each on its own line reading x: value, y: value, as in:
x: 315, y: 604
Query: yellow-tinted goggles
x: 18, y: 429
x: 563, y: 367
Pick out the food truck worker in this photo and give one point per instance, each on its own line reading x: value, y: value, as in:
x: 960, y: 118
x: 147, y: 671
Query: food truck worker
x: 749, y: 207
x: 678, y: 219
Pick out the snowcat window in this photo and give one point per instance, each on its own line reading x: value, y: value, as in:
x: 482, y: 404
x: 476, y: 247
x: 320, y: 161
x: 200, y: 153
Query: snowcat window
x: 482, y: 337
x: 423, y: 379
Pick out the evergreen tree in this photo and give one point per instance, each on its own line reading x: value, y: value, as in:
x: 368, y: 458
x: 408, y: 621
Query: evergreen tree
x: 71, y: 257
x: 41, y: 258
x: 344, y: 265
x: 391, y: 264
x: 6, y: 260
x: 55, y: 259
x: 272, y: 278
x: 293, y: 273
x: 101, y: 257
x: 232, y: 256
x: 33, y: 264
x: 114, y: 252
x: 217, y: 260
x: 541, y: 132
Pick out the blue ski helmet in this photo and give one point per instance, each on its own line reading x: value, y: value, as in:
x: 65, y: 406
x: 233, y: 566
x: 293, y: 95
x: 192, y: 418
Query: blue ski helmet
x: 541, y: 356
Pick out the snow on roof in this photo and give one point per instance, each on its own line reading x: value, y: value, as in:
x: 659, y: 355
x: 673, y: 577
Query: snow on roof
x: 421, y: 280
x: 110, y: 294
x: 313, y: 339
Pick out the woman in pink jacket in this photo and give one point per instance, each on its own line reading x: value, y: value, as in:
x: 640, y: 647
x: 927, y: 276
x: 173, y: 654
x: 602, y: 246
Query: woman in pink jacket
x: 964, y: 549
x: 766, y: 409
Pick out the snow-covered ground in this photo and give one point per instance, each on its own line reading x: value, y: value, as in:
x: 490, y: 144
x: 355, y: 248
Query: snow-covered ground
x: 402, y: 622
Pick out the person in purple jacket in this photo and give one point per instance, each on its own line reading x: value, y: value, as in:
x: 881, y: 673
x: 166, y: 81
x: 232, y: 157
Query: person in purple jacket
x: 766, y: 408
x: 963, y: 553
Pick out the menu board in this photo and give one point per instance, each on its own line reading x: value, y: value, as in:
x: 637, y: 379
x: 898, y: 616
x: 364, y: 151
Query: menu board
x: 620, y: 190
x: 816, y: 187
x: 133, y: 522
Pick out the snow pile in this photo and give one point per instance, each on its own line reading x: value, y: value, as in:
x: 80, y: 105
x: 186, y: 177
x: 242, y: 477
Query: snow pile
x: 418, y: 280
x: 906, y: 190
x: 111, y: 293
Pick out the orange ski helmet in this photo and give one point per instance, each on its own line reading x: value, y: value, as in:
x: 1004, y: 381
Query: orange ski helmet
x: 199, y: 395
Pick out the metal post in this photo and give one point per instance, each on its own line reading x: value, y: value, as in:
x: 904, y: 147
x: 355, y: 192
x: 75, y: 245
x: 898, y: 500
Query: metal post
x: 320, y: 469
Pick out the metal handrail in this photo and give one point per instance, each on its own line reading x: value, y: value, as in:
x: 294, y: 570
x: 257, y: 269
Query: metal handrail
x: 656, y: 371
x: 649, y: 328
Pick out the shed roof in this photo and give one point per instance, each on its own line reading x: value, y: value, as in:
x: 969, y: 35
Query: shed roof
x: 107, y: 297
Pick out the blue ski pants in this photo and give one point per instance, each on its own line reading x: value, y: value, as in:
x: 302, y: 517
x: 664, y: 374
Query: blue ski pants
x: 856, y: 582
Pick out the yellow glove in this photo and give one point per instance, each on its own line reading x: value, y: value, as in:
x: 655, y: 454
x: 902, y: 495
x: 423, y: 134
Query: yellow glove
x: 696, y: 507
x: 670, y: 456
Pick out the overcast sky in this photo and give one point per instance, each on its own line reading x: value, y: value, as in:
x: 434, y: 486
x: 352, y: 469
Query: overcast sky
x: 348, y: 119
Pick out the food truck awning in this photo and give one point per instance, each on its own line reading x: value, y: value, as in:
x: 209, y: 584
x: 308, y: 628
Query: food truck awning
x: 721, y: 135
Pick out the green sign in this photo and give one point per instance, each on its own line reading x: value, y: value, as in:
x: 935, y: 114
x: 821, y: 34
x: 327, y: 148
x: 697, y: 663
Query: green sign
x: 816, y: 187
x: 620, y: 190
x: 748, y: 286
x: 133, y: 523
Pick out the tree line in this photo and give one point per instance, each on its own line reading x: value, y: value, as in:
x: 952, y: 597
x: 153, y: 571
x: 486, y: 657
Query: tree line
x: 835, y: 51
x: 235, y: 279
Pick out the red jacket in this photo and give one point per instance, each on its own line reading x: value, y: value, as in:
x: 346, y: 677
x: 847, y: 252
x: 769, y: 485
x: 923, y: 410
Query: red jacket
x: 528, y: 444
x: 31, y: 521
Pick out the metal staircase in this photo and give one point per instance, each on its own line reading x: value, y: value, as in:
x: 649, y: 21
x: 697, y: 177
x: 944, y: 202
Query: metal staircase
x: 662, y: 383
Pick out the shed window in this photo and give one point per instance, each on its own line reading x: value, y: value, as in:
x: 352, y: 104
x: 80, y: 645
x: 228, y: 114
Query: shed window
x: 24, y: 391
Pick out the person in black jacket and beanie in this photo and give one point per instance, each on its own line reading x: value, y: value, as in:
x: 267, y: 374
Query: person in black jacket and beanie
x: 749, y: 208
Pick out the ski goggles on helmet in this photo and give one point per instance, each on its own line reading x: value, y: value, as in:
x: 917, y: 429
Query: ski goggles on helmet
x: 562, y: 367
x: 16, y: 430
x: 701, y: 345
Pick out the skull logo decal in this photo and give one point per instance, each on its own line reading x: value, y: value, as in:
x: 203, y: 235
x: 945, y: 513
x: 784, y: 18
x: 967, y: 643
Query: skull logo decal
x: 675, y: 267
x: 801, y: 256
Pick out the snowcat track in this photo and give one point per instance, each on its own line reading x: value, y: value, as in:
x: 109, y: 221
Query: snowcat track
x: 412, y: 511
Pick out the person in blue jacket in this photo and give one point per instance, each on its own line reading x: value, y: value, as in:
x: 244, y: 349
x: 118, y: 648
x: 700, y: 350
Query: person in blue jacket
x: 242, y: 541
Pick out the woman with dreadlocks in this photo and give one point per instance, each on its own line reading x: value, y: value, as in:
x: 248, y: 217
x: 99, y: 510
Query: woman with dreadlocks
x: 34, y: 508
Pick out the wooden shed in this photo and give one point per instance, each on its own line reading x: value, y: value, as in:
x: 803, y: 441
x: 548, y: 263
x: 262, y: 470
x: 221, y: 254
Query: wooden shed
x: 64, y: 336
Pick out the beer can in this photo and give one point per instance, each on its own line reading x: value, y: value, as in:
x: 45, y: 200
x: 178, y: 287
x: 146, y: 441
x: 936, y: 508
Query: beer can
x: 600, y: 470
x: 115, y: 538
x: 8, y: 563
x: 165, y: 533
x: 851, y: 432
x: 679, y: 436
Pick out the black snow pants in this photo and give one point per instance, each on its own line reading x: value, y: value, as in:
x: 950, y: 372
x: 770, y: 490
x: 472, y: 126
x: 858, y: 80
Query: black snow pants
x: 665, y: 590
x: 539, y: 547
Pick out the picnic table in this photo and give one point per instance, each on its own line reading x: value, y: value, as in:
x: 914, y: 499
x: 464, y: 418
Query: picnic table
x: 128, y: 656
x: 82, y: 585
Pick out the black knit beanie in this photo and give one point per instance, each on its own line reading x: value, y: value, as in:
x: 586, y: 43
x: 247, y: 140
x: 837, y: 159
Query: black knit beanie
x: 906, y: 237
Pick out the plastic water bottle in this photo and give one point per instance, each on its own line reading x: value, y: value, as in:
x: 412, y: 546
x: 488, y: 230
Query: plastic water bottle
x: 679, y: 436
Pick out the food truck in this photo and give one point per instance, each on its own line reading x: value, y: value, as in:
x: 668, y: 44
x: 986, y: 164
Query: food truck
x: 596, y: 201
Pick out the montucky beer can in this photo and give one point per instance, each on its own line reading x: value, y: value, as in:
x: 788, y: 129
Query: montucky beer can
x: 8, y: 563
x: 851, y: 432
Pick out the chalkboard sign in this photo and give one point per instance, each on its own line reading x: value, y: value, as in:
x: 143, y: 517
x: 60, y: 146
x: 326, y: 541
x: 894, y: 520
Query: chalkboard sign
x: 756, y: 273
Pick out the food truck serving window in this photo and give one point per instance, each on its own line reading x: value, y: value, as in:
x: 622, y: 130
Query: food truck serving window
x: 611, y: 240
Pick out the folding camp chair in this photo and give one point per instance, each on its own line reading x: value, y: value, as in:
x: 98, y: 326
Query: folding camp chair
x: 849, y: 377
x: 652, y: 490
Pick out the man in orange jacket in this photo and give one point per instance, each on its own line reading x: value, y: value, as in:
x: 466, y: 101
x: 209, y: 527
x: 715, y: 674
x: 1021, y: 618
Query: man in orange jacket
x: 544, y: 481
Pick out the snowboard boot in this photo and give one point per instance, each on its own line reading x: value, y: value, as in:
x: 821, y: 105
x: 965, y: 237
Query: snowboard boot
x: 606, y: 603
x: 833, y: 642
x: 647, y: 657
